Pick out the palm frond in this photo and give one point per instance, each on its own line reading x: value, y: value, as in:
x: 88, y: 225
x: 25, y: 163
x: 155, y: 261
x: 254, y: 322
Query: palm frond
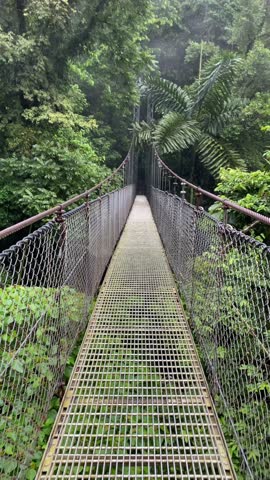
x: 215, y: 85
x: 215, y: 122
x: 216, y: 154
x: 174, y: 133
x: 143, y: 132
x: 167, y: 96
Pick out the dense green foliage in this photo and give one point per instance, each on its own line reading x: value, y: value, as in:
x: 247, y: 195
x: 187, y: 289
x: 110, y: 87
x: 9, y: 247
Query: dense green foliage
x: 201, y: 34
x: 24, y: 310
x: 194, y: 119
x: 69, y: 75
x: 250, y: 190
x: 62, y: 164
x: 231, y: 329
x: 70, y: 72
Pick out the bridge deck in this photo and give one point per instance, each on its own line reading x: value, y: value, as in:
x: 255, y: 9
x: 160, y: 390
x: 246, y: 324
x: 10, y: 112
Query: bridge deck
x: 137, y: 404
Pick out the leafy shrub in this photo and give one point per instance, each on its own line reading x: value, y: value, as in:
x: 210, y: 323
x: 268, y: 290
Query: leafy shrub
x: 38, y: 328
x: 248, y: 189
x: 231, y: 294
x: 60, y: 164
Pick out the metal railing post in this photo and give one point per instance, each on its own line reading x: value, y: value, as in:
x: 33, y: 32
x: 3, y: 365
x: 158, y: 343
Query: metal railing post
x: 87, y: 263
x: 183, y: 191
x: 198, y: 196
x: 225, y: 214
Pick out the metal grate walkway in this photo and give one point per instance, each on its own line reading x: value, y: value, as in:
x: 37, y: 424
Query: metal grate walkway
x: 137, y: 405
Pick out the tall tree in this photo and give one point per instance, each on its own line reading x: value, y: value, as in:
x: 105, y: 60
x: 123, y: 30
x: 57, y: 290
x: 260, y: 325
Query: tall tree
x: 69, y: 72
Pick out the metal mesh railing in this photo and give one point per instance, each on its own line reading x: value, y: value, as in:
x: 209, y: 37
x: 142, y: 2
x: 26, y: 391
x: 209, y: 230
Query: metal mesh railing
x: 224, y: 277
x: 47, y: 282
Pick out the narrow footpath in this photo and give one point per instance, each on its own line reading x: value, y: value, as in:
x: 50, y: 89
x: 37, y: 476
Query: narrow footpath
x: 137, y: 405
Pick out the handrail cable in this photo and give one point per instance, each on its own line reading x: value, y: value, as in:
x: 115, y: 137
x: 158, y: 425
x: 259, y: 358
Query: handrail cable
x: 227, y: 203
x: 51, y: 211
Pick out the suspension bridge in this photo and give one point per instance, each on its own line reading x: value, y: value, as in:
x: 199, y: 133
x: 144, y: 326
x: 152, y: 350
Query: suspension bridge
x: 158, y: 391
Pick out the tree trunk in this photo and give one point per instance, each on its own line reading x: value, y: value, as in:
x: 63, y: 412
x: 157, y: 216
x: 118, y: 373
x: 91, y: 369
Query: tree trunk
x: 20, y: 5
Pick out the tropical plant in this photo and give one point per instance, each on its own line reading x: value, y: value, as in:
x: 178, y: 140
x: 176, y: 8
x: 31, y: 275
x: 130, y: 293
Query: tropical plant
x: 231, y: 329
x: 250, y: 190
x: 194, y: 118
x: 33, y: 352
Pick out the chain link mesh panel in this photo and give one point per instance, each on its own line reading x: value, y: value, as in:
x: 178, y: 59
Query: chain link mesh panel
x: 224, y: 277
x: 48, y: 281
